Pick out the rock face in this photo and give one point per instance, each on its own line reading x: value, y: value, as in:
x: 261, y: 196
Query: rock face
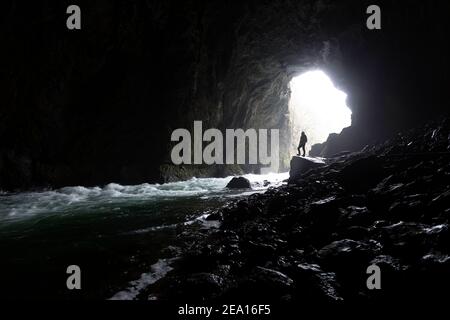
x: 239, y: 183
x: 362, y: 174
x: 300, y: 165
x: 99, y: 105
x: 311, y: 241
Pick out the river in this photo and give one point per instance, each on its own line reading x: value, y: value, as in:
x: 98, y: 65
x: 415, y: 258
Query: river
x: 121, y: 237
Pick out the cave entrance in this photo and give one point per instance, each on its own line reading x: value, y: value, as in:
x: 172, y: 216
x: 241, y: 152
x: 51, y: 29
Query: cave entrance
x: 317, y: 107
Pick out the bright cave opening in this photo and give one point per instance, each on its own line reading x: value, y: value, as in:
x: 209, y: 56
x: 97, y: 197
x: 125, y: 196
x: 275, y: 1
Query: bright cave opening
x: 316, y: 107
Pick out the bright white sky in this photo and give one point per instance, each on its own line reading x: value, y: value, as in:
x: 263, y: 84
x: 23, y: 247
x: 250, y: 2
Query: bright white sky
x: 317, y: 107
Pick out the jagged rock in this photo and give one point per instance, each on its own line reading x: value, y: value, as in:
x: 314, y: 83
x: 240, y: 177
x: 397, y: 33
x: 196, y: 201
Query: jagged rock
x: 322, y: 215
x: 434, y: 279
x: 216, y: 216
x: 239, y: 183
x: 362, y: 174
x: 316, y: 285
x: 354, y: 233
x: 261, y: 284
x: 410, y: 240
x: 442, y: 201
x: 356, y: 216
x: 203, y: 284
x: 272, y: 279
x: 440, y: 260
x: 348, y: 253
x: 406, y: 210
x: 388, y: 263
x: 241, y: 212
x: 325, y: 230
x: 300, y: 165
x: 259, y: 251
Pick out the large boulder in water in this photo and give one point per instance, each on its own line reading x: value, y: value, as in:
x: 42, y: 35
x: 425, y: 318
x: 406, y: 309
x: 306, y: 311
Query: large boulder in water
x: 300, y: 165
x: 239, y: 183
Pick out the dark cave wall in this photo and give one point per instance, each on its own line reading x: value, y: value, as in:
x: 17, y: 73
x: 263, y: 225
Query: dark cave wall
x: 98, y: 105
x: 397, y: 77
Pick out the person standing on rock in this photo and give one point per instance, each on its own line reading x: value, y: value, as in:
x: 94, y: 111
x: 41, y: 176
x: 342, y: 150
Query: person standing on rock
x: 302, y: 144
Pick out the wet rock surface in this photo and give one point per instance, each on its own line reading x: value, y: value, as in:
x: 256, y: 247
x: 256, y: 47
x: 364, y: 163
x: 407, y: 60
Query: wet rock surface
x: 239, y: 183
x: 311, y: 241
x: 300, y: 165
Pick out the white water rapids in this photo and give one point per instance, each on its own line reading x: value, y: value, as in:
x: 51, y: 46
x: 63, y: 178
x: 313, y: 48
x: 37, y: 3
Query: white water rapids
x: 113, y: 196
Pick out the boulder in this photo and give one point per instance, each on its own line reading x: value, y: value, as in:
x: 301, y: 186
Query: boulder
x: 362, y: 174
x: 316, y: 285
x: 301, y: 165
x: 239, y: 183
x: 261, y: 284
x: 348, y: 255
x: 203, y: 285
x: 271, y: 280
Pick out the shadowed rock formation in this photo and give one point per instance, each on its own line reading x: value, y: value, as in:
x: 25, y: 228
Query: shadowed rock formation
x: 300, y: 165
x: 239, y: 183
x: 311, y: 242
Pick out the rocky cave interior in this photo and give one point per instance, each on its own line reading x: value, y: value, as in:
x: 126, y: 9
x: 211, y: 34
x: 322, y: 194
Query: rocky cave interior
x: 99, y: 105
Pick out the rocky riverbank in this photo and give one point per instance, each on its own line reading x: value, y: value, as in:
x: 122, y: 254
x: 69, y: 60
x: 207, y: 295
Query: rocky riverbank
x: 312, y: 240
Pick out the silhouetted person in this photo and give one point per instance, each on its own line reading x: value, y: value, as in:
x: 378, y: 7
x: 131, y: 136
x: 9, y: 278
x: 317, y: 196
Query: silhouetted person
x: 301, y: 145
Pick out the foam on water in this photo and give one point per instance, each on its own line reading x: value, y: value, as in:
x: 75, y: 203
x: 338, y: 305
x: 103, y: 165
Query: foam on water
x: 72, y: 199
x: 116, y: 227
x: 157, y: 272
